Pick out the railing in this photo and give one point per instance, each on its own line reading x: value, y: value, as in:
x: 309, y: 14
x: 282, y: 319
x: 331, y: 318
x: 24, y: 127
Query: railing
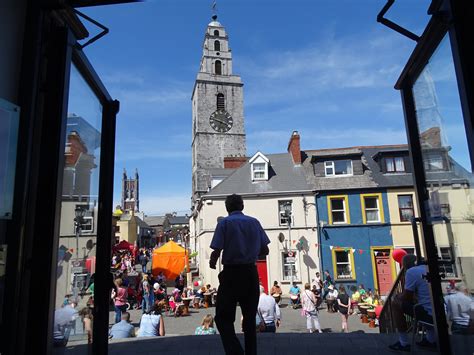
x: 386, y: 318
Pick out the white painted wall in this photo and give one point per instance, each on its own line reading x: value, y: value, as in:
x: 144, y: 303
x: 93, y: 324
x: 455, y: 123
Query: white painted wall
x: 265, y: 209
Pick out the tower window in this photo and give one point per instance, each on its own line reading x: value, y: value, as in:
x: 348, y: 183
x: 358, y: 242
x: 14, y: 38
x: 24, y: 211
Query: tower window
x: 216, y: 33
x: 218, y: 68
x: 217, y: 45
x: 220, y: 102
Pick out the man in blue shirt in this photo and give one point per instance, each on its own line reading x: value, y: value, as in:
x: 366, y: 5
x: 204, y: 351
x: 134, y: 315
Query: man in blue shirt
x: 242, y: 240
x: 295, y: 295
x: 416, y: 287
x: 122, y: 329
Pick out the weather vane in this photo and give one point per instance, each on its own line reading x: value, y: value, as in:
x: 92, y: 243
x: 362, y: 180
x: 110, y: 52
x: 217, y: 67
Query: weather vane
x: 214, y: 8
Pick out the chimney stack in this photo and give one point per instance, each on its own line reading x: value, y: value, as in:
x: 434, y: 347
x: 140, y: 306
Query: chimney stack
x: 294, y: 147
x: 234, y: 162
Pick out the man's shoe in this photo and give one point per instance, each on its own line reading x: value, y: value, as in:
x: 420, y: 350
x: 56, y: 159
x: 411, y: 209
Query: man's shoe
x: 399, y: 347
x: 426, y: 344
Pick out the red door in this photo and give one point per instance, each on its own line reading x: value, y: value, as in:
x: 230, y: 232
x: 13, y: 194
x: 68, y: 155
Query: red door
x: 262, y: 273
x: 384, y: 274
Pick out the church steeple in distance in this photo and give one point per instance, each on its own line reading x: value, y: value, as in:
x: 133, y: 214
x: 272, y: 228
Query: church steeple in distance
x: 217, y: 108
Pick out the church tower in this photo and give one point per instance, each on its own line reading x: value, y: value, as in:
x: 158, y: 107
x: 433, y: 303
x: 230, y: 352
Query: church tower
x: 217, y: 107
x: 130, y: 192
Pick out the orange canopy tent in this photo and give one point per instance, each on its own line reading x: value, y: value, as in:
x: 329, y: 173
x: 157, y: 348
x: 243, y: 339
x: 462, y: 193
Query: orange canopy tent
x: 170, y: 258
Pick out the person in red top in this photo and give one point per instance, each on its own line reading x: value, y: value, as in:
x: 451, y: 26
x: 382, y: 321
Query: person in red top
x: 120, y: 300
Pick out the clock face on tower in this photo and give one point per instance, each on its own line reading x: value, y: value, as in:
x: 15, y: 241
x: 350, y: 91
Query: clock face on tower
x: 221, y: 121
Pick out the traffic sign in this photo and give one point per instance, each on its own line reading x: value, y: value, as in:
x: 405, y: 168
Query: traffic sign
x: 290, y: 254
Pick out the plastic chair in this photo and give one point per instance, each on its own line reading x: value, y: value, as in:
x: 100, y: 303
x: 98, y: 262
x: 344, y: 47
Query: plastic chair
x: 418, y: 324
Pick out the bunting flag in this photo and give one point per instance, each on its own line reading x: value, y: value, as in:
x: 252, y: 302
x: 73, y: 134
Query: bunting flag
x: 330, y: 247
x: 360, y: 251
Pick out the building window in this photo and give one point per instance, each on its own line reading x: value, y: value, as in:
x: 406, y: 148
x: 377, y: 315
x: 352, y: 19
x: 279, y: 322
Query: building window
x: 289, y: 267
x: 405, y: 208
x: 220, y: 101
x: 395, y: 165
x: 343, y: 263
x: 259, y: 171
x: 338, y: 168
x: 216, y: 33
x: 433, y: 163
x: 446, y: 263
x: 87, y: 226
x: 284, y: 206
x: 337, y: 208
x: 372, y: 208
x: 409, y: 250
x: 218, y: 67
x: 217, y: 46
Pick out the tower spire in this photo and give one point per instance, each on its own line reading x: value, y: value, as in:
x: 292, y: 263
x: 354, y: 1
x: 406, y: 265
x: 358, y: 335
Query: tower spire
x: 214, y: 10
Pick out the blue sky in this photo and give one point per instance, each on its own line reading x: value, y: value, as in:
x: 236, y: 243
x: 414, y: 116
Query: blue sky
x: 324, y: 68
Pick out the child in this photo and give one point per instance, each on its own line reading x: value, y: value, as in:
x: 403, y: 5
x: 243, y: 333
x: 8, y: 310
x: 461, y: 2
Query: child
x: 87, y: 317
x: 206, y: 327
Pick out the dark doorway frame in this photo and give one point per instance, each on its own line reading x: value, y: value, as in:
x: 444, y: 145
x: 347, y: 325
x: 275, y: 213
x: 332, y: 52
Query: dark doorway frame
x: 449, y: 17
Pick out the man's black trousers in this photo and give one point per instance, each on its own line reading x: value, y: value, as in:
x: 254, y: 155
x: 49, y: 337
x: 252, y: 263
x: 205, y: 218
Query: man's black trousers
x: 237, y: 283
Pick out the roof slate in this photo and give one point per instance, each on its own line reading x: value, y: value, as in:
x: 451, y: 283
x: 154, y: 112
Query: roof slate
x: 284, y: 176
x: 372, y: 177
x: 155, y: 220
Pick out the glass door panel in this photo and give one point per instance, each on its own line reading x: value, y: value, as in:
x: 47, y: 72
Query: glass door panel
x: 79, y: 212
x: 447, y: 166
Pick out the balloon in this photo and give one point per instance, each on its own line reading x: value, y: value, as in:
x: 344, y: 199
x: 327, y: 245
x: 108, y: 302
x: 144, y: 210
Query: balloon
x: 196, y: 283
x: 398, y: 255
x: 378, y: 310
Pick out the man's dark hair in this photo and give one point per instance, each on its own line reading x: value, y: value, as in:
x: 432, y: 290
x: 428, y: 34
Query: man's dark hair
x: 233, y: 203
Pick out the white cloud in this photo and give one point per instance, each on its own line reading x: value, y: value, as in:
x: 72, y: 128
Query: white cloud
x: 337, y: 64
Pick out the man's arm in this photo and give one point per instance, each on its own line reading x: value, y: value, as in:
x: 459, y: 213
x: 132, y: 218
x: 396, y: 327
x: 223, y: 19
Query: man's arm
x: 217, y: 244
x: 277, y: 315
x: 263, y: 251
x: 214, y: 257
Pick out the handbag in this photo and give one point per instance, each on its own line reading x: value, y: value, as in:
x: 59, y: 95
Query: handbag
x: 261, y: 326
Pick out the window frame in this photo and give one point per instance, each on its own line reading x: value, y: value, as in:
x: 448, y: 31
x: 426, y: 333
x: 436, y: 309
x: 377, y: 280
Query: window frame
x: 217, y: 45
x: 296, y: 274
x: 88, y: 216
x: 220, y: 101
x: 218, y: 64
x: 443, y: 261
x: 265, y: 171
x: 347, y: 217
x: 281, y: 212
x: 405, y: 208
x: 379, y: 198
x: 428, y: 159
x: 395, y: 170
x: 331, y: 164
x: 351, y: 264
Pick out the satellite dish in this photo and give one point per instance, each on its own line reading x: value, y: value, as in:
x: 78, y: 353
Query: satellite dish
x: 281, y: 237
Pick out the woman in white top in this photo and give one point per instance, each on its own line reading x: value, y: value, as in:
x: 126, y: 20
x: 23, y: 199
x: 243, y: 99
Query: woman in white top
x: 308, y: 301
x: 152, y: 323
